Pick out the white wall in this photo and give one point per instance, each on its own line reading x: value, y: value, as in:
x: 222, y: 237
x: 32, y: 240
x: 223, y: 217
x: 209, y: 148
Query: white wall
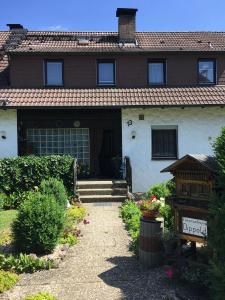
x: 197, y: 128
x: 8, y: 127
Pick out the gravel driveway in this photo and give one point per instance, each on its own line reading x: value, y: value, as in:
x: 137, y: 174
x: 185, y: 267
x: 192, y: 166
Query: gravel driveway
x: 99, y: 267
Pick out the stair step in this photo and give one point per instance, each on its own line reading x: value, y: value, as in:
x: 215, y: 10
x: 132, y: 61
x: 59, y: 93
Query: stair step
x: 101, y: 184
x: 102, y: 198
x: 114, y: 191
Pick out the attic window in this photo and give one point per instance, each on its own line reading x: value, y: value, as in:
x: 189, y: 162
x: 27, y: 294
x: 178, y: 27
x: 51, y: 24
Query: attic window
x: 54, y: 73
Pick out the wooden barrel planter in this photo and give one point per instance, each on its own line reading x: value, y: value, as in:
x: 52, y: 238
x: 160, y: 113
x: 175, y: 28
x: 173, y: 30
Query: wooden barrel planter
x: 150, y: 243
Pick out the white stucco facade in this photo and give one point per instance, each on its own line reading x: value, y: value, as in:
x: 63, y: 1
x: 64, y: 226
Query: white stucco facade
x: 197, y: 129
x: 8, y: 133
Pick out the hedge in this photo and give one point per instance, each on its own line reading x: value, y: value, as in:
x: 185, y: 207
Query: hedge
x: 25, y: 173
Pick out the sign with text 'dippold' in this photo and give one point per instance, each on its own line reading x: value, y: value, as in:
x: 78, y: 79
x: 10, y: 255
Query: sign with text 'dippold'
x: 195, y: 227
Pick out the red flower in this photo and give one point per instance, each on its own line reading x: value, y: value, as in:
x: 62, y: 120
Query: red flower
x: 169, y: 272
x: 153, y: 197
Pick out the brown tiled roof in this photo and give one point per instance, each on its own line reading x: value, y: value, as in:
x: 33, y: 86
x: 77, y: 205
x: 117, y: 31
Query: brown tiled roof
x: 112, y: 97
x: 48, y: 41
x: 4, y: 35
x: 206, y: 161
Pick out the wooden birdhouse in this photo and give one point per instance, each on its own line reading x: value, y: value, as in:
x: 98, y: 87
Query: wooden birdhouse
x: 195, y: 179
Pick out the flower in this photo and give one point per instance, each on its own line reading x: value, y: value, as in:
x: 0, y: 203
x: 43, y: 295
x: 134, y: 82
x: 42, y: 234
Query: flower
x: 169, y: 272
x: 153, y: 197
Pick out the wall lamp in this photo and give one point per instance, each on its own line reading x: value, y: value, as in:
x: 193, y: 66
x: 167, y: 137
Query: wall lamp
x: 4, y: 103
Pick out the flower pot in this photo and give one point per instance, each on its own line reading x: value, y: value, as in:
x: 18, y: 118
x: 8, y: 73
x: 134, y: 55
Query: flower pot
x: 149, y: 214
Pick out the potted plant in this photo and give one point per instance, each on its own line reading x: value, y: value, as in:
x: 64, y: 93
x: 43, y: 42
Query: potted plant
x: 150, y: 207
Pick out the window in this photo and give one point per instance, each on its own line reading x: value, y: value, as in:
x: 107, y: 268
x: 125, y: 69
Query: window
x: 207, y: 71
x: 106, y: 72
x: 157, y: 72
x: 164, y: 142
x: 53, y: 73
x: 72, y: 141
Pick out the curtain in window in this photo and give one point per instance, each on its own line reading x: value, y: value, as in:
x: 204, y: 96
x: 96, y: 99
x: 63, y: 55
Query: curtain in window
x: 156, y: 73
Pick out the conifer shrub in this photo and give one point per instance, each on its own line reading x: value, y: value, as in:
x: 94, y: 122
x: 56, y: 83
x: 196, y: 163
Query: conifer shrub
x: 55, y: 188
x: 38, y: 225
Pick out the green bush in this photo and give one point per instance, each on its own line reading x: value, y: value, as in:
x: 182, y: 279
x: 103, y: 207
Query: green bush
x: 166, y: 212
x: 196, y: 273
x: 7, y: 280
x: 55, y: 188
x: 216, y: 238
x: 38, y: 225
x: 24, y: 263
x: 131, y: 214
x: 160, y: 190
x: 27, y: 172
x: 40, y: 296
x: 13, y: 200
x: 2, y: 200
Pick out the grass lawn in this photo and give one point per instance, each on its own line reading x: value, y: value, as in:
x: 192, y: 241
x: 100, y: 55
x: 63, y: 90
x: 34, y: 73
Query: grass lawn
x: 6, y: 218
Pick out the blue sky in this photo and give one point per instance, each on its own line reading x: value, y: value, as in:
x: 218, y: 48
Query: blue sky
x: 99, y: 15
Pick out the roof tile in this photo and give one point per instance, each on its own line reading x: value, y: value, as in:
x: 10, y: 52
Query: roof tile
x: 121, y: 97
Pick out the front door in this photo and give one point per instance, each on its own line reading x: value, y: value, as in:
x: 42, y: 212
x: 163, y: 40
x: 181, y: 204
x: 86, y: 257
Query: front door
x: 106, y: 153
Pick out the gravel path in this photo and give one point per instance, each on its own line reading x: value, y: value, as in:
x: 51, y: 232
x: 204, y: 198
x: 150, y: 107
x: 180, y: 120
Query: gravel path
x: 99, y: 267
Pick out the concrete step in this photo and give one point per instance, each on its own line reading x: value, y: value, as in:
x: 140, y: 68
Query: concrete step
x: 114, y: 191
x: 101, y: 184
x: 102, y: 198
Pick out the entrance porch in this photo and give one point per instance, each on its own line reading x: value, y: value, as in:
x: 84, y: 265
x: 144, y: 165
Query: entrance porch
x: 92, y: 135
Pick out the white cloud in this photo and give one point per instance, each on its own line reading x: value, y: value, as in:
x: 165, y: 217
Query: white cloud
x: 56, y: 28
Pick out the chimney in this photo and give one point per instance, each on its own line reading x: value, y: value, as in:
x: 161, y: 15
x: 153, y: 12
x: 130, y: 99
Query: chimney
x: 15, y: 26
x: 126, y: 24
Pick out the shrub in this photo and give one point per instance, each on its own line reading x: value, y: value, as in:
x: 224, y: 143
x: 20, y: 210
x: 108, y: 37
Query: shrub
x: 131, y: 214
x: 166, y: 213
x: 38, y: 225
x: 196, y: 273
x: 13, y: 200
x: 2, y: 200
x: 160, y: 190
x: 7, y: 280
x: 55, y: 188
x: 216, y: 239
x: 40, y: 296
x: 24, y: 173
x: 24, y: 263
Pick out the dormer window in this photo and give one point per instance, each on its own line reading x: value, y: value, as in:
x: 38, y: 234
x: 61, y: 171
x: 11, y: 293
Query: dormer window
x: 156, y: 72
x: 54, y: 73
x: 106, y: 72
x: 207, y: 71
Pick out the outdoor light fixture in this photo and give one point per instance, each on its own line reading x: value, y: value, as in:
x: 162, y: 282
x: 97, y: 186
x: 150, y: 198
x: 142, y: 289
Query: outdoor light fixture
x: 3, y: 135
x: 4, y: 103
x: 133, y: 135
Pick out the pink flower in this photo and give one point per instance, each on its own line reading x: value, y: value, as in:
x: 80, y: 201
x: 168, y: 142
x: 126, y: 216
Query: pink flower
x: 169, y: 272
x: 86, y: 222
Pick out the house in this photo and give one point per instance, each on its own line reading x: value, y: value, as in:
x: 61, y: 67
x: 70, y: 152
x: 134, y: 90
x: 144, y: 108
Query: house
x: 100, y: 96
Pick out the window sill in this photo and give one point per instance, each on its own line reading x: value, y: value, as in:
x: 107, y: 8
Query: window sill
x: 105, y: 85
x: 207, y: 84
x: 54, y: 86
x: 157, y: 85
x: 164, y: 158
